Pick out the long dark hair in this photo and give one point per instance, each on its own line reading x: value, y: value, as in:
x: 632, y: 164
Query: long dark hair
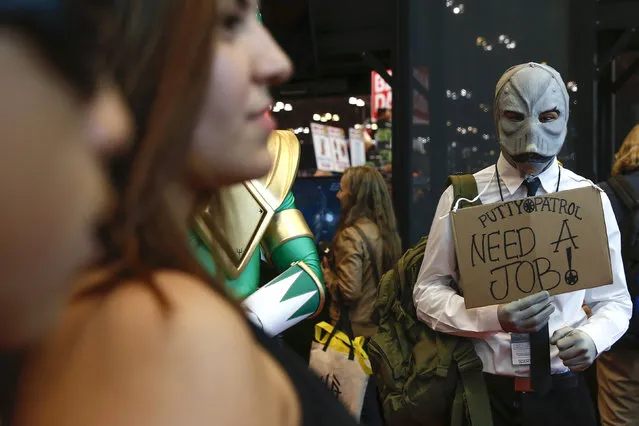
x: 163, y: 66
x: 368, y: 197
x: 75, y: 36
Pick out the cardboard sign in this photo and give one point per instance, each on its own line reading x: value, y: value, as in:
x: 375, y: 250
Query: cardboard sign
x: 324, y: 155
x: 556, y: 242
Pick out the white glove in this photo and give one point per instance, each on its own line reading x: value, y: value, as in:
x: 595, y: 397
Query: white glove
x: 526, y: 315
x: 576, y: 349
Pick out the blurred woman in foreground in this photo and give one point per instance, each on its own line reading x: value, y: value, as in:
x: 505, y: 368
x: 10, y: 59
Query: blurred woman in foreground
x: 59, y: 116
x: 149, y: 339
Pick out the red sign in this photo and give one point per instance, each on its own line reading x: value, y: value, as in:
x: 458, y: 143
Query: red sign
x: 381, y: 94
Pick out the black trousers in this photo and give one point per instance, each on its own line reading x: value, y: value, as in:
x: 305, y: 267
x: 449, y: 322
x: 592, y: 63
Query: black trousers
x: 372, y: 413
x: 371, y: 410
x: 568, y: 403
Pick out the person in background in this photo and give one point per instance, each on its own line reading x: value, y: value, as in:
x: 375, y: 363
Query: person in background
x: 151, y: 338
x: 618, y: 369
x: 365, y: 246
x: 531, y: 109
x: 59, y: 118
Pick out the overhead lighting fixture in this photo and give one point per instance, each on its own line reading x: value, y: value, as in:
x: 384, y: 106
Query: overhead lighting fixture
x: 288, y: 107
x: 279, y: 105
x: 323, y: 120
x: 335, y: 117
x: 307, y: 130
x: 352, y: 100
x: 316, y: 117
x: 374, y: 126
x: 360, y: 103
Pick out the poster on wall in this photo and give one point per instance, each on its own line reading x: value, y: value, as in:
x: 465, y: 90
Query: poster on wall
x: 381, y: 94
x: 358, y: 147
x: 323, y: 148
x: 337, y: 138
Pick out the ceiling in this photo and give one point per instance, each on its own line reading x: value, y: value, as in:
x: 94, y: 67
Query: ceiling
x: 326, y: 40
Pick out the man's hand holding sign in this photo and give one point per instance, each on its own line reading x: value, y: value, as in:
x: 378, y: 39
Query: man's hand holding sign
x: 514, y: 274
x: 523, y: 251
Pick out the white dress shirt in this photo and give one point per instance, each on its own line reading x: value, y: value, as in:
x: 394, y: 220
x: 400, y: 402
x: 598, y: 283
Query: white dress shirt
x: 441, y: 308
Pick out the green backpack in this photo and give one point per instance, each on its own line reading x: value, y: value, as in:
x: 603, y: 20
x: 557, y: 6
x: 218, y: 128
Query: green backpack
x: 424, y: 377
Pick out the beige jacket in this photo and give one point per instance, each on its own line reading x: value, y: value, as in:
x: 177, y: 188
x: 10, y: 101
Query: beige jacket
x: 353, y: 275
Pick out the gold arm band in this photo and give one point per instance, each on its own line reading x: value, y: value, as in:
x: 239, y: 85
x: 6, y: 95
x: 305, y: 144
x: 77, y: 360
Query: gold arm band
x: 320, y: 287
x: 285, y: 226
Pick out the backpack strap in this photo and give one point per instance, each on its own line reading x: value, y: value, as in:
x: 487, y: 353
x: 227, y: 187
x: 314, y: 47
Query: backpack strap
x: 464, y: 186
x: 625, y: 191
x: 371, y: 253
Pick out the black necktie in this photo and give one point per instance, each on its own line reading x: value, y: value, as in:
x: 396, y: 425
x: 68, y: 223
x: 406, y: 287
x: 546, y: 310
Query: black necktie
x: 539, y: 342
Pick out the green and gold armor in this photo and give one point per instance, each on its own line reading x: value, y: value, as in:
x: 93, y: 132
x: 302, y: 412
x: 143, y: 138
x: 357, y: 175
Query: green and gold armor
x: 260, y: 220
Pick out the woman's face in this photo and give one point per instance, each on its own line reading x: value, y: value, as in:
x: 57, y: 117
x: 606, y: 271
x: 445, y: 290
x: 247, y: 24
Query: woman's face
x: 52, y: 186
x: 231, y: 137
x: 342, y: 194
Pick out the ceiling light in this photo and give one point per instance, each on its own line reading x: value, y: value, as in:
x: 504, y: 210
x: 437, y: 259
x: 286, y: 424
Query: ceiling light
x: 352, y: 100
x: 336, y: 117
x: 316, y: 117
x: 361, y: 103
x: 279, y: 105
x: 288, y: 107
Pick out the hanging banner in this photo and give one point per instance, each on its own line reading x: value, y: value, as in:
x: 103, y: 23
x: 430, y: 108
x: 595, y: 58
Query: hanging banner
x: 381, y: 94
x: 340, y: 150
x: 324, y: 155
x: 557, y: 242
x: 358, y: 147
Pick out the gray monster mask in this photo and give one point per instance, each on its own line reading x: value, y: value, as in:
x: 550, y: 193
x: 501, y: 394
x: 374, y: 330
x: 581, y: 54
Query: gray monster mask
x: 525, y: 92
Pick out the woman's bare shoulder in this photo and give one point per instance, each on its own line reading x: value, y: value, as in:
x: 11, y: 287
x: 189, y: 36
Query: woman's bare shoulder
x: 129, y: 359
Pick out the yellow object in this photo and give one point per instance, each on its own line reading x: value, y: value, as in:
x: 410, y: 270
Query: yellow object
x: 342, y: 343
x: 249, y: 208
x: 285, y: 226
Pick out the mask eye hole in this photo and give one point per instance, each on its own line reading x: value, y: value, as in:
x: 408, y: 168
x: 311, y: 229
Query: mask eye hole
x: 548, y: 116
x: 514, y: 116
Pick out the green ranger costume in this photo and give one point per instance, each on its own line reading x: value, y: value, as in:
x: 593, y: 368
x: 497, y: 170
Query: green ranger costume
x: 260, y: 220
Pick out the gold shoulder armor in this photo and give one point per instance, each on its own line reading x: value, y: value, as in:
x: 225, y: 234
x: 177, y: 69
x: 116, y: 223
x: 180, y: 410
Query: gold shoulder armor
x: 285, y: 151
x: 247, y: 209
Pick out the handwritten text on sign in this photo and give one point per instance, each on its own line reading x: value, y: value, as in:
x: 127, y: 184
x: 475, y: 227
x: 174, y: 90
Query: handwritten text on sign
x: 556, y: 242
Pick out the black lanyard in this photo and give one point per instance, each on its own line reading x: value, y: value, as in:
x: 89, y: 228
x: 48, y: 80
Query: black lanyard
x: 501, y: 194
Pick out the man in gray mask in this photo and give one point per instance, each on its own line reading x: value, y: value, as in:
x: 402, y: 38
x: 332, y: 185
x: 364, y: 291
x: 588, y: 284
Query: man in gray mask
x: 531, y: 113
